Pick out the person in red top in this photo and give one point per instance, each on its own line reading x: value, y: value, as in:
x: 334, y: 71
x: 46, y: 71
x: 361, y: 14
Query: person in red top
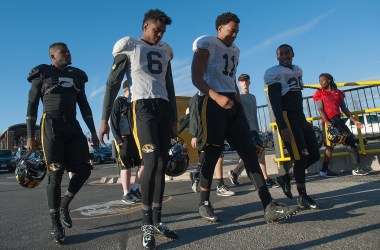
x: 330, y: 102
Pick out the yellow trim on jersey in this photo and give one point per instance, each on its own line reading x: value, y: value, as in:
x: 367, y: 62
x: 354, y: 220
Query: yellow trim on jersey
x: 293, y: 144
x: 42, y: 131
x: 134, y: 129
x: 204, y: 120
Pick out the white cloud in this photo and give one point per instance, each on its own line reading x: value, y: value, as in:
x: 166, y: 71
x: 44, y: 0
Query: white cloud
x: 287, y: 34
x: 97, y: 91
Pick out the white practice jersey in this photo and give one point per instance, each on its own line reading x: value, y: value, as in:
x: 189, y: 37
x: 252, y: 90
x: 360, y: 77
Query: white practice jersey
x: 147, y: 66
x: 290, y: 79
x: 222, y: 63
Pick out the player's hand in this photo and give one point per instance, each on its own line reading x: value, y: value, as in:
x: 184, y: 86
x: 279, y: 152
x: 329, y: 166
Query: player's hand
x: 194, y: 142
x: 286, y: 135
x: 224, y: 101
x: 174, y: 130
x: 358, y: 124
x: 328, y: 124
x: 95, y: 140
x: 104, y: 130
x: 31, y: 145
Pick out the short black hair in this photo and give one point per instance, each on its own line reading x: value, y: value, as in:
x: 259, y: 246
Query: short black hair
x: 225, y: 18
x: 157, y: 15
x: 55, y: 45
x: 285, y: 45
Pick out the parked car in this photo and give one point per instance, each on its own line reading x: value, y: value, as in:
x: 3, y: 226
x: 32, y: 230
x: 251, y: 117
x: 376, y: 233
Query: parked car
x: 7, y: 160
x: 371, y: 125
x: 103, y: 154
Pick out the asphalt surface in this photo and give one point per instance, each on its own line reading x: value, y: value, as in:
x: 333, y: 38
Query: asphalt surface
x: 349, y: 218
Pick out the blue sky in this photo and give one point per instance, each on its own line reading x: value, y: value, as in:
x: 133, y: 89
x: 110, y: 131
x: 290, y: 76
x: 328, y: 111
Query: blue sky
x: 341, y: 37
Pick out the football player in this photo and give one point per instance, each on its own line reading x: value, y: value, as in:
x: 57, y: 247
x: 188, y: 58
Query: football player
x: 248, y: 101
x: 126, y: 148
x: 222, y: 116
x: 146, y: 63
x: 60, y: 87
x: 329, y: 101
x: 284, y: 83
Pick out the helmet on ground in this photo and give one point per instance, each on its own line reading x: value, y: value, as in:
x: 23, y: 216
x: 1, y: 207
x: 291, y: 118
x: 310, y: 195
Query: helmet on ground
x: 178, y: 158
x: 335, y: 136
x: 30, y: 170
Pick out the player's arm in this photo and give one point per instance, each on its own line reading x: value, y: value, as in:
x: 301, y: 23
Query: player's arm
x: 274, y: 94
x: 319, y: 105
x: 115, y: 121
x: 345, y: 111
x: 172, y: 100
x: 31, y: 114
x: 112, y: 88
x: 198, y: 67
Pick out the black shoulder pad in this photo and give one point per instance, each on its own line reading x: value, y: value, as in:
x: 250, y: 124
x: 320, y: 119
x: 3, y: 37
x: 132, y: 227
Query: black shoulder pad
x: 37, y: 71
x: 80, y: 73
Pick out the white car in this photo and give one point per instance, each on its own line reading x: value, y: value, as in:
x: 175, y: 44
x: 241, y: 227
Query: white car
x: 371, y: 125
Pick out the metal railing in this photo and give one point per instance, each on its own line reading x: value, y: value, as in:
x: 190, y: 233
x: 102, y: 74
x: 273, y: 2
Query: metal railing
x: 363, y: 102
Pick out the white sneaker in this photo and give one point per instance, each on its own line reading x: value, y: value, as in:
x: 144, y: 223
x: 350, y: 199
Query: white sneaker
x: 359, y: 172
x: 224, y: 191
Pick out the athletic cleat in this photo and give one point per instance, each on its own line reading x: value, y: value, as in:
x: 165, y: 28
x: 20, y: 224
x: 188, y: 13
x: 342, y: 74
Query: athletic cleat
x: 278, y: 211
x: 359, y: 172
x: 194, y: 181
x: 285, y: 185
x: 136, y: 195
x: 270, y: 183
x: 148, y: 240
x: 327, y: 173
x: 58, y: 235
x: 306, y: 201
x: 163, y: 229
x: 233, y: 178
x: 128, y: 199
x: 224, y: 191
x: 66, y: 219
x: 207, y: 212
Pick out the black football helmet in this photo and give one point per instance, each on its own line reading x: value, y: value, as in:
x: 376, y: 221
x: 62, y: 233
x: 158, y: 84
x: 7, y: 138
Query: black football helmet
x: 178, y: 158
x: 335, y: 135
x: 30, y: 170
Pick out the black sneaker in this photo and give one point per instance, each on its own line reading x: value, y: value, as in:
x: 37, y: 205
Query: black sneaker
x: 58, y: 235
x: 194, y: 181
x: 163, y: 229
x: 148, y: 240
x: 271, y: 183
x: 285, y: 185
x: 136, y: 195
x: 327, y: 173
x: 207, y: 212
x: 277, y: 211
x: 306, y: 201
x: 66, y: 219
x: 128, y: 199
x: 233, y: 178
